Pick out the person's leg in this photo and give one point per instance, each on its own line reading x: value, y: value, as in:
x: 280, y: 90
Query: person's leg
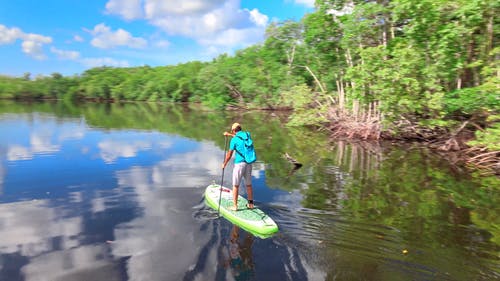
x: 248, y: 182
x: 237, y: 175
x: 250, y: 197
x: 235, y: 198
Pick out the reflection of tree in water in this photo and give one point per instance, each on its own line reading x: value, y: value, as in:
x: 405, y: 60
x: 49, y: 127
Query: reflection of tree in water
x: 239, y: 255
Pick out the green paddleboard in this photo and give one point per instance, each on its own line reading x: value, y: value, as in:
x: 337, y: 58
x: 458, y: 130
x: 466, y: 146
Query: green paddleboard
x: 253, y: 220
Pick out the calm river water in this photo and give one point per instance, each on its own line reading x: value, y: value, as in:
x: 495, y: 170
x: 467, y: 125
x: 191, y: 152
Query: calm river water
x: 115, y: 192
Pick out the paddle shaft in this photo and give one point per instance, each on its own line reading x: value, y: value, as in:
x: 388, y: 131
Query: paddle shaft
x: 222, y: 180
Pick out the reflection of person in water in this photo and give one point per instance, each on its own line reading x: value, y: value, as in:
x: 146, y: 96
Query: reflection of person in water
x: 240, y: 255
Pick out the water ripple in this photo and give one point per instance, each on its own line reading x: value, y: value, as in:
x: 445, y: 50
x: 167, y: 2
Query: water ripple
x: 344, y: 238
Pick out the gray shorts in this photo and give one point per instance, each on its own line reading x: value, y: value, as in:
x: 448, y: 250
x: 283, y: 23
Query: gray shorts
x: 242, y: 170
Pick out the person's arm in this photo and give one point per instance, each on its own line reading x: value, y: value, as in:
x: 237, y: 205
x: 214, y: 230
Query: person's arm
x: 229, y: 154
x: 228, y: 157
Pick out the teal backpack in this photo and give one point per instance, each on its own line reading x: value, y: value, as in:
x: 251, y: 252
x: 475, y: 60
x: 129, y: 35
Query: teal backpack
x: 248, y: 152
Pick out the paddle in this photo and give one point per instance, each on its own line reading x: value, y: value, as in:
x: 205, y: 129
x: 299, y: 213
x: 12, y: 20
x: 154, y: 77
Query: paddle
x: 222, y: 180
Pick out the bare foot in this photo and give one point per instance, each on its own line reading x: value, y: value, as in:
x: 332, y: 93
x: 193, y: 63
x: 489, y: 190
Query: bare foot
x: 233, y: 208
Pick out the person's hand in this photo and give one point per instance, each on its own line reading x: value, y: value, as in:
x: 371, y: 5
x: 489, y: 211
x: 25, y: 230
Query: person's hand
x: 227, y: 134
x: 223, y: 166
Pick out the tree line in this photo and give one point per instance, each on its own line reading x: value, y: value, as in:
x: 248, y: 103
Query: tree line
x: 413, y: 69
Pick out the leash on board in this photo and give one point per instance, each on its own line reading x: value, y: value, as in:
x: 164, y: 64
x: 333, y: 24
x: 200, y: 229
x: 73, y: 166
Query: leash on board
x: 222, y: 180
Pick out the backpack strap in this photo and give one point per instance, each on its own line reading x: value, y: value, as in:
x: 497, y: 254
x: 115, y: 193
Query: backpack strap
x: 243, y: 138
x: 239, y: 153
x: 237, y: 149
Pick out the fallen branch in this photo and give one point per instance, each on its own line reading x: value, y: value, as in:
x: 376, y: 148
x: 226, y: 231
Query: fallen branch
x: 291, y: 159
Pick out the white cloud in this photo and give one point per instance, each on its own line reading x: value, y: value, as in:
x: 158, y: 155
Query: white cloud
x: 34, y: 49
x: 128, y: 9
x: 106, y: 61
x: 78, y: 38
x: 162, y: 43
x: 207, y: 24
x: 37, y: 38
x: 213, y: 51
x: 105, y: 38
x: 221, y: 22
x: 258, y: 18
x: 65, y: 55
x: 233, y: 38
x: 32, y: 44
x: 307, y: 3
x: 9, y: 35
x: 160, y: 8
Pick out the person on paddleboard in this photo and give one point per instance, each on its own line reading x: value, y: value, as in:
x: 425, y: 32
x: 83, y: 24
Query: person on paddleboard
x: 242, y: 169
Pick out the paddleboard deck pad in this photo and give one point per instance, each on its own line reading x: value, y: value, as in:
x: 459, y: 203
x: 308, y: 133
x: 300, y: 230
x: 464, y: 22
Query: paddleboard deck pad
x: 253, y: 220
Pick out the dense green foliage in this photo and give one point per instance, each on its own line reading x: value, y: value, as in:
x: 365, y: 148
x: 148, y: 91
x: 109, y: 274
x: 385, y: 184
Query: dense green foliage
x: 432, y: 63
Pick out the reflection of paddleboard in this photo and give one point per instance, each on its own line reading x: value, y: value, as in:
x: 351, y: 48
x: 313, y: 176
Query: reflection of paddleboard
x: 254, y: 220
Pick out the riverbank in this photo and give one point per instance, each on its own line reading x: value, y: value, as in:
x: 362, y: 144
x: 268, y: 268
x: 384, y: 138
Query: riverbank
x: 455, y: 144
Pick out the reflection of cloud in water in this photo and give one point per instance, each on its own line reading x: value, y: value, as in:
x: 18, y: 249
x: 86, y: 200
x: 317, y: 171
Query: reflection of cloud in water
x: 17, y: 152
x: 2, y: 175
x: 291, y: 200
x: 112, y: 149
x: 75, y: 132
x: 162, y: 244
x: 29, y: 226
x: 98, y: 204
x: 166, y: 228
x: 44, y: 130
x: 76, y: 197
x: 190, y: 169
x: 166, y: 194
x: 34, y: 231
x: 83, y: 263
x: 167, y: 242
x: 257, y: 168
x: 39, y: 144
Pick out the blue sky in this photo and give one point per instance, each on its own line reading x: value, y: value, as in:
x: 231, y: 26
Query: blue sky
x: 70, y: 36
